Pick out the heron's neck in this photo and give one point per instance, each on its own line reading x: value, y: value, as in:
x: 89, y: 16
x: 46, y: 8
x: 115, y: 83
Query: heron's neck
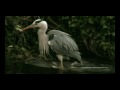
x: 42, y: 35
x: 43, y: 41
x: 42, y: 32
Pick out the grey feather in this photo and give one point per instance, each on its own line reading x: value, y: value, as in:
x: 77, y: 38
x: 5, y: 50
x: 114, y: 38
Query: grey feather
x: 63, y: 44
x: 57, y: 32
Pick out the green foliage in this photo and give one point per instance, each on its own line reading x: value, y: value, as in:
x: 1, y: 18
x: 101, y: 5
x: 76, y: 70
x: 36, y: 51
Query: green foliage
x: 91, y: 33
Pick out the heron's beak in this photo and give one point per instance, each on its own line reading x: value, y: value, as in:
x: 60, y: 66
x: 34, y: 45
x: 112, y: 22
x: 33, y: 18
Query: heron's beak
x: 28, y: 27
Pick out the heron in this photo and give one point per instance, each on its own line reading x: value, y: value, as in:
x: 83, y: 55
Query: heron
x: 61, y: 43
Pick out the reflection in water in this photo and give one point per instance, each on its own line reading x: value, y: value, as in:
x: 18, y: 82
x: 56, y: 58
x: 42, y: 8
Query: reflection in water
x: 30, y: 69
x: 60, y: 71
x: 22, y: 68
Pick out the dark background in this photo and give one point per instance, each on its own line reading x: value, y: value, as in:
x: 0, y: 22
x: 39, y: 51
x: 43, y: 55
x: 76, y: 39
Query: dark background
x: 94, y: 35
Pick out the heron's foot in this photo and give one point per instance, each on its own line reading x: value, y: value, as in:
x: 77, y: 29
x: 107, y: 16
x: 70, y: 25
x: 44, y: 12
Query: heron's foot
x: 40, y: 56
x: 54, y: 63
x: 76, y: 64
x: 59, y: 67
x: 53, y: 66
x: 81, y: 63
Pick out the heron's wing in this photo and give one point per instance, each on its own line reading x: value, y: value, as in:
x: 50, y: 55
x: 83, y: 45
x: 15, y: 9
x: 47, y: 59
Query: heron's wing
x: 61, y: 42
x: 57, y: 32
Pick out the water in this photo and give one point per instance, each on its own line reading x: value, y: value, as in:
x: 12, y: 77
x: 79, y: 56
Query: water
x: 31, y: 69
x: 44, y: 67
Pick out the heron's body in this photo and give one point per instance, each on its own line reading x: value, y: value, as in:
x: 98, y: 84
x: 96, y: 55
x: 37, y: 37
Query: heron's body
x: 60, y: 42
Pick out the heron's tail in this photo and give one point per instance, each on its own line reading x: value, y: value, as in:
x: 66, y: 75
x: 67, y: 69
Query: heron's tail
x: 77, y: 56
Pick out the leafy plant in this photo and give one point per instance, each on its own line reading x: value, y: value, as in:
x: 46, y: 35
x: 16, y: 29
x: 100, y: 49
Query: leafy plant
x: 92, y: 33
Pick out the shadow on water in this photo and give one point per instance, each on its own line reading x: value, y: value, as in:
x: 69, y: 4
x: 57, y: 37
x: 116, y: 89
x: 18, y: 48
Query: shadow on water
x: 30, y: 69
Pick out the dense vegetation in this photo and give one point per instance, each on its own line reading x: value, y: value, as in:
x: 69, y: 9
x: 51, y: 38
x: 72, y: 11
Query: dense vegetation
x: 93, y: 34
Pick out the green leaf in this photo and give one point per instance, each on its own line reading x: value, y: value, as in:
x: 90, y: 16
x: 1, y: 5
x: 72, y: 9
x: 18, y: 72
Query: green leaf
x: 90, y: 35
x: 102, y: 43
x: 18, y: 27
x: 102, y: 22
x: 23, y: 49
x: 17, y: 47
x: 10, y: 46
x: 90, y: 21
x: 73, y: 25
x: 104, y: 48
x: 103, y: 38
x: 104, y: 26
x: 110, y: 17
x: 98, y: 35
x: 83, y: 31
x: 113, y: 34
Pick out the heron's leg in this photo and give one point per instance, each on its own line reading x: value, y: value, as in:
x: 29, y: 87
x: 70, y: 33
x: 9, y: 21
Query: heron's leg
x: 60, y: 57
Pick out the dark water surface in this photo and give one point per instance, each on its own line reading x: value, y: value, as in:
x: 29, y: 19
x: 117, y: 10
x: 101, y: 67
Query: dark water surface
x: 21, y: 68
x: 44, y: 67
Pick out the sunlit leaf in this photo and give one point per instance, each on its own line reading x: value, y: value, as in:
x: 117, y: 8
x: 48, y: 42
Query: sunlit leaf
x: 104, y: 26
x: 104, y: 47
x: 18, y: 27
x: 23, y: 49
x: 102, y: 22
x: 113, y: 34
x: 90, y: 21
x: 73, y: 25
x: 10, y: 46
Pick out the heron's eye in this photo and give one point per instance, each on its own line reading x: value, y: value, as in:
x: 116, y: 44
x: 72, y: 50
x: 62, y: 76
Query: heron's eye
x: 37, y: 22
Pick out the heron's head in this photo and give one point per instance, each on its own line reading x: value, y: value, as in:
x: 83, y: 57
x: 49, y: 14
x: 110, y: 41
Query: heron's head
x: 39, y: 24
